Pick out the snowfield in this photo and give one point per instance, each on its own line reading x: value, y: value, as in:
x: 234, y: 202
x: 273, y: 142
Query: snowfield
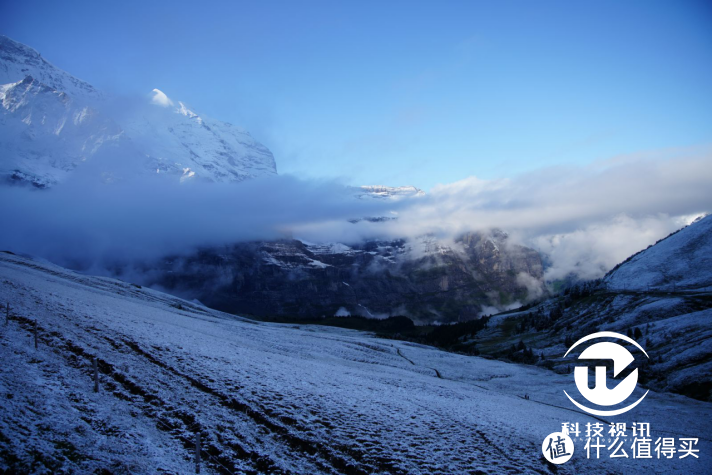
x: 270, y: 398
x: 681, y: 261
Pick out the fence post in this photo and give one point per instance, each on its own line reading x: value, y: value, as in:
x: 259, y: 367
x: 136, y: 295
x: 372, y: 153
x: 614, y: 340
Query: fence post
x: 197, y: 452
x: 96, y: 375
x: 35, y: 334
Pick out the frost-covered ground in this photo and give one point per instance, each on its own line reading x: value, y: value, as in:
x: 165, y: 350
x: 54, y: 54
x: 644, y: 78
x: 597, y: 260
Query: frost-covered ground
x: 270, y: 398
x: 681, y: 261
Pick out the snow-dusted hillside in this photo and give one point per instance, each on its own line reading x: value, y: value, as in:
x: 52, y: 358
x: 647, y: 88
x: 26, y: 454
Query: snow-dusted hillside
x: 51, y: 123
x: 267, y: 397
x: 681, y: 261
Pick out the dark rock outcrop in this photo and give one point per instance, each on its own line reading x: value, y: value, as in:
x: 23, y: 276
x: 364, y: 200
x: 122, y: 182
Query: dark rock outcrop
x: 423, y: 279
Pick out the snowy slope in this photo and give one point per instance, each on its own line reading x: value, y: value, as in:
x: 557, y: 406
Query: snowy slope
x: 177, y: 140
x: 267, y: 397
x: 683, y: 260
x: 18, y: 61
x: 51, y: 123
x: 46, y: 134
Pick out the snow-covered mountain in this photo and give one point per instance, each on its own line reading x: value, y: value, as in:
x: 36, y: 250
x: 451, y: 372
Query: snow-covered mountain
x: 270, y: 398
x: 52, y: 123
x: 392, y: 192
x: 423, y: 278
x: 177, y: 140
x: 683, y: 260
x: 45, y: 134
x: 18, y: 61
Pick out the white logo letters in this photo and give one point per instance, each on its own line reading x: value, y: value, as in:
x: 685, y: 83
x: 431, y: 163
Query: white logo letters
x: 600, y: 394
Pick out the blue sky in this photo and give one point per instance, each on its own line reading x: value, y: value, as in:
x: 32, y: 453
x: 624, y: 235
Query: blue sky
x: 404, y: 92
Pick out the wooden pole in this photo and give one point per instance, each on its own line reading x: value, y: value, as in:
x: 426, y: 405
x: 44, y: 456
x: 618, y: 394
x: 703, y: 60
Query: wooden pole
x: 197, y: 452
x: 96, y: 376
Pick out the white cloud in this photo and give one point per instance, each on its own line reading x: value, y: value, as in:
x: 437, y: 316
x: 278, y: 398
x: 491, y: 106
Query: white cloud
x: 160, y: 99
x: 342, y: 312
x: 534, y: 287
x: 586, y: 219
x: 592, y: 250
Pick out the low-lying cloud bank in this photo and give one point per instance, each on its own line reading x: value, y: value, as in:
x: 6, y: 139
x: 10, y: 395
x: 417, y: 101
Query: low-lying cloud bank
x: 585, y: 219
x: 151, y: 216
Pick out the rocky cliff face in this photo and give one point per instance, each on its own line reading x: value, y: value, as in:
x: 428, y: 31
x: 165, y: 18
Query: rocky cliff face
x: 422, y: 279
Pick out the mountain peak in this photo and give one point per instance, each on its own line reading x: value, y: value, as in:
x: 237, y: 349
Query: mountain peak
x: 380, y: 191
x: 17, y: 61
x: 50, y: 114
x: 10, y: 46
